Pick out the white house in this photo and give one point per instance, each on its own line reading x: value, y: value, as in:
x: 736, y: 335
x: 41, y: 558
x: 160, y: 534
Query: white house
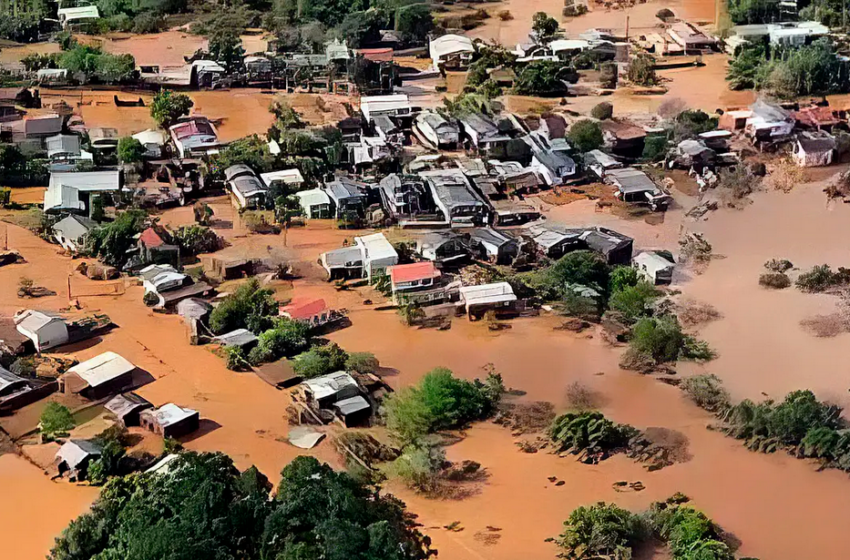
x: 453, y: 52
x: 655, y: 268
x: 98, y: 377
x: 153, y: 141
x: 292, y: 178
x: 71, y: 190
x: 81, y: 14
x: 378, y: 253
x: 487, y: 296
x: 315, y: 203
x: 71, y: 231
x: 438, y: 131
x: 396, y: 105
x: 45, y: 331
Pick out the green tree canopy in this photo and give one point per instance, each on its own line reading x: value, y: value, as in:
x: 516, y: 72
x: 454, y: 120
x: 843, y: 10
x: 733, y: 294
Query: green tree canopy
x: 130, y: 150
x: 56, y: 419
x: 544, y: 26
x: 111, y: 241
x: 585, y: 135
x: 168, y: 106
x: 248, y: 307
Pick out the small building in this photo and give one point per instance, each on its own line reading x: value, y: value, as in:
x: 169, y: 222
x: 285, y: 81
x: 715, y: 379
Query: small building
x: 98, y: 377
x: 290, y: 178
x: 326, y: 390
x: 194, y: 137
x: 17, y: 392
x: 240, y: 338
x: 353, y: 411
x: 72, y: 191
x: 436, y: 130
x: 248, y: 191
x: 813, y: 149
x: 126, y: 408
x: 636, y: 187
x: 153, y: 141
x: 483, y: 134
x: 510, y: 213
x: 614, y: 247
x: 441, y: 247
x: 103, y: 139
x: 170, y: 420
x: 396, y: 105
x: 378, y: 254
x: 206, y: 73
x: 71, y: 231
x: 74, y: 456
x: 45, y: 331
x: 346, y: 262
x: 416, y: 283
x: 693, y: 153
x: 312, y: 312
x: 348, y: 198
x: 64, y: 152
x: 493, y: 246
x: 404, y: 195
x: 734, y: 119
x: 10, y: 383
x: 654, y: 267
x: 315, y: 204
x: 555, y: 242
x: 690, y: 38
x: 769, y: 122
x: 451, y: 52
x: 600, y: 163
x: 554, y: 168
x: 816, y: 118
x: 622, y: 137
x: 43, y: 126
x: 169, y: 285
x: 477, y: 300
x: 455, y: 198
x: 717, y: 140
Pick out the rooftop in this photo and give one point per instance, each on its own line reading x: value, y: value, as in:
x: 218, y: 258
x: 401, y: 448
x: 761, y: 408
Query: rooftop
x: 170, y: 414
x: 303, y: 308
x: 331, y: 384
x: 412, y: 272
x: 102, y: 369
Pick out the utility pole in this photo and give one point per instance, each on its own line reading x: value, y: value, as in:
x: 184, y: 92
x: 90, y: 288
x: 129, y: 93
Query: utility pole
x: 627, y: 28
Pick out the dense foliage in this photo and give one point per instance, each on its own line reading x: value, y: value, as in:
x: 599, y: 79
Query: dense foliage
x: 248, y: 307
x: 589, y: 433
x: 130, y: 150
x: 320, y: 360
x: 822, y: 278
x: 660, y: 339
x: 205, y: 508
x: 707, y: 392
x: 543, y: 78
x: 18, y: 170
x: 440, y: 401
x: 91, y: 63
x: 600, y: 531
x: 55, y: 419
x: 110, y: 241
x: 585, y: 135
x: 168, y: 106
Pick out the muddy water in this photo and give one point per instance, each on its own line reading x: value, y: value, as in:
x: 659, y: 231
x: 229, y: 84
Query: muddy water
x: 34, y: 509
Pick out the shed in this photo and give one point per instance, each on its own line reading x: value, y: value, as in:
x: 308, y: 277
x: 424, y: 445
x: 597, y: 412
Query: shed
x: 395, y: 105
x: 44, y: 330
x: 654, y: 267
x: 315, y: 203
x: 292, y: 178
x: 493, y: 245
x: 354, y: 411
x: 240, y: 338
x: 153, y: 141
x: 487, y: 296
x: 326, y: 390
x: 813, y: 149
x: 10, y: 383
x: 451, y: 52
x: 71, y: 231
x: 600, y: 163
x: 98, y: 377
x: 615, y: 247
x: 170, y: 420
x: 74, y: 457
x: 126, y: 407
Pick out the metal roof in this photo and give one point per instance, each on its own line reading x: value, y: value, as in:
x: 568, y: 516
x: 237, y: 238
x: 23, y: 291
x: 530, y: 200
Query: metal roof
x: 102, y: 369
x: 288, y: 176
x: 331, y: 384
x: 631, y: 180
x: 236, y: 170
x: 74, y: 227
x: 313, y: 197
x: 498, y: 292
x: 376, y: 247
x: 62, y: 144
x: 450, y: 44
x: 352, y: 405
x: 248, y: 185
x: 9, y: 379
x: 43, y: 124
x: 33, y: 321
x: 170, y: 414
x: 375, y: 104
x: 74, y: 451
x: 122, y: 405
x: 239, y: 337
x: 86, y: 181
x: 413, y: 271
x: 451, y: 187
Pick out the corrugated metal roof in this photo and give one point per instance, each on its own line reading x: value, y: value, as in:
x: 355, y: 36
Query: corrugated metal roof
x: 337, y: 383
x: 170, y: 414
x: 73, y: 452
x: 498, y: 292
x: 102, y: 369
x: 414, y: 271
x: 376, y: 246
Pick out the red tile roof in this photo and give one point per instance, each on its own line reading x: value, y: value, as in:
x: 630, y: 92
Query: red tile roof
x: 303, y: 308
x: 415, y: 271
x: 151, y: 238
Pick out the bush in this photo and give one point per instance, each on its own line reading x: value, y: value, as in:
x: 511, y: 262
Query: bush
x: 634, y: 302
x: 600, y: 531
x: 623, y: 277
x: 320, y: 360
x: 642, y: 71
x: 821, y: 278
x: 235, y: 359
x: 774, y: 280
x: 148, y: 22
x: 654, y: 147
x: 130, y: 150
x: 55, y: 420
x: 419, y: 467
x: 286, y: 338
x: 602, y: 111
x: 707, y: 392
x: 585, y: 135
x: 196, y: 239
x: 588, y: 433
x: 110, y: 242
x: 168, y: 106
x: 543, y: 78
x: 664, y: 14
x: 779, y: 265
x: 248, y: 307
x: 362, y: 362
x: 688, y: 532
x: 660, y: 338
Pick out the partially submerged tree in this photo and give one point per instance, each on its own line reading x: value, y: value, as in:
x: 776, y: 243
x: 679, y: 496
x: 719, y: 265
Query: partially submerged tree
x: 130, y: 150
x: 168, y: 106
x: 249, y: 307
x: 585, y: 135
x: 55, y: 419
x: 544, y: 26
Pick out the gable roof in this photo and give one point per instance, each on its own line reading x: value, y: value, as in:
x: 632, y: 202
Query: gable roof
x: 414, y: 271
x: 127, y: 403
x: 9, y: 379
x: 102, y: 369
x: 74, y: 227
x: 43, y: 124
x: 239, y: 337
x: 74, y: 451
x: 170, y: 414
x: 62, y: 144
x: 151, y: 238
x: 331, y: 384
x: 303, y: 308
x: 498, y: 292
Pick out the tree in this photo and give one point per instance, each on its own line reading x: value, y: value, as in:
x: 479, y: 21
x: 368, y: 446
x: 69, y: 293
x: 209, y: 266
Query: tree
x: 414, y: 22
x: 586, y: 135
x: 130, y: 150
x: 692, y: 122
x: 584, y: 268
x: 168, y: 106
x: 753, y: 11
x: 111, y: 241
x: 634, y: 302
x: 659, y: 338
x: 55, y: 419
x: 320, y: 360
x: 286, y: 338
x: 623, y: 277
x: 600, y: 531
x: 542, y: 78
x: 225, y: 46
x: 249, y: 306
x: 544, y: 26
x: 642, y: 71
x: 362, y: 362
x: 588, y: 432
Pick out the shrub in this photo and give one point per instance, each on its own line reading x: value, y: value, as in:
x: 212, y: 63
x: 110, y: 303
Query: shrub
x: 168, y: 106
x: 664, y: 14
x: 56, y: 419
x: 623, y: 277
x: 634, y: 302
x: 588, y: 432
x: 286, y: 338
x: 660, y: 338
x: 130, y: 150
x: 235, y: 359
x: 585, y: 135
x: 779, y: 265
x: 362, y: 362
x: 600, y: 531
x: 148, y: 22
x: 642, y: 71
x: 821, y: 278
x: 602, y: 111
x: 249, y: 306
x: 655, y: 147
x: 111, y: 241
x: 707, y: 392
x: 774, y: 280
x: 419, y: 466
x: 584, y: 268
x: 320, y: 360
x: 196, y: 239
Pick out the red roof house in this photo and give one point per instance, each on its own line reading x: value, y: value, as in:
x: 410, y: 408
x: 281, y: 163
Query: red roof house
x: 413, y: 275
x: 304, y: 309
x: 151, y: 239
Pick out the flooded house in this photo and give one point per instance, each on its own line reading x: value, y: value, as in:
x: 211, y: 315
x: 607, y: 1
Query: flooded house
x: 247, y: 189
x: 692, y: 154
x: 239, y: 338
x: 623, y: 138
x: 103, y: 140
x: 370, y: 255
x: 315, y: 203
x: 493, y: 246
x: 17, y: 392
x: 45, y: 330
x: 816, y: 118
x: 126, y: 408
x: 313, y: 312
x: 194, y: 137
x: 554, y: 168
x: 451, y: 52
x: 72, y: 191
x: 168, y: 286
x: 405, y: 196
x: 291, y: 179
x: 206, y: 73
x: 98, y: 377
x: 601, y: 163
x: 75, y: 455
x: 71, y: 232
x: 442, y: 247
x: 348, y: 198
x: 690, y: 38
x: 482, y: 134
x: 813, y: 149
x: 337, y: 395
x: 437, y: 131
x: 396, y: 106
x: 613, y: 246
x: 153, y: 141
x: 553, y: 241
x: 478, y: 300
x: 170, y: 420
x: 510, y: 213
x: 636, y: 187
x: 418, y: 283
x: 64, y: 152
x: 654, y: 267
x: 459, y: 204
x: 769, y: 122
